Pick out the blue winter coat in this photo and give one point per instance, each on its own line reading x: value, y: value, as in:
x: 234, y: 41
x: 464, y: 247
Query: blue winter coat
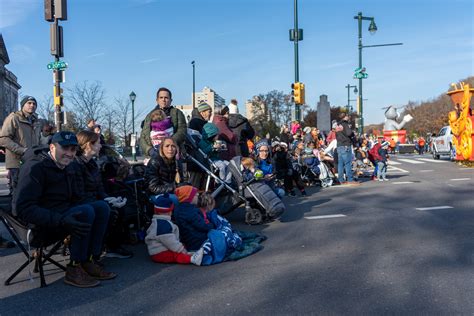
x: 192, y: 226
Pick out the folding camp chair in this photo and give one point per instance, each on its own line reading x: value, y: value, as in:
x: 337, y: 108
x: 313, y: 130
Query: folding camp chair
x: 26, y: 234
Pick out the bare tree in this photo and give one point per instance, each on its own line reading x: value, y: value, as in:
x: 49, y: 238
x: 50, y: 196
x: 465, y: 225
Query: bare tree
x: 45, y: 108
x: 87, y: 100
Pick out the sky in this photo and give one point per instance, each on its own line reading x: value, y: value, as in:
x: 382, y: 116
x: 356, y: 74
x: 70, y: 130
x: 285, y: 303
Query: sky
x: 242, y: 48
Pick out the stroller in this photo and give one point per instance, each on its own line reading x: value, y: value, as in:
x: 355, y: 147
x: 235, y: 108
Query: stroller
x: 261, y: 203
x: 314, y: 170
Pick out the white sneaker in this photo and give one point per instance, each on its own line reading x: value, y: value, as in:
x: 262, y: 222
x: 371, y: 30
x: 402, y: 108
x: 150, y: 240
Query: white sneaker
x: 380, y: 179
x: 196, y: 258
x: 385, y: 179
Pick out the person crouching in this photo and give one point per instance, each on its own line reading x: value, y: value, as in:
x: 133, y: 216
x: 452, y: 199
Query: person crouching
x: 162, y: 237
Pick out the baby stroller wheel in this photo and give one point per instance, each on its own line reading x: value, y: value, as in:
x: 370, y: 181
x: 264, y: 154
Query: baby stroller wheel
x: 253, y: 217
x: 324, y: 184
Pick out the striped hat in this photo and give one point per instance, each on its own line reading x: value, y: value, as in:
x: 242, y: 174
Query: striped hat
x: 162, y: 203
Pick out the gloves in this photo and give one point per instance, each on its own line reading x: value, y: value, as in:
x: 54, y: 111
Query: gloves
x: 116, y: 202
x: 77, y: 228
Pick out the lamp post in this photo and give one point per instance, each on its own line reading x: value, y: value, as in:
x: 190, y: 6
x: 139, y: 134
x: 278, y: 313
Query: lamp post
x: 349, y: 96
x: 133, y: 140
x: 194, y: 84
x: 372, y: 29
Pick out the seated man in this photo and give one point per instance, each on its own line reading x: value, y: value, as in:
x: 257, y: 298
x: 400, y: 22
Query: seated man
x: 46, y: 196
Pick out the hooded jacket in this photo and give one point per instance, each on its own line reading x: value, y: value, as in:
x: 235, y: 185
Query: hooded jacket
x: 192, y: 226
x: 44, y: 191
x: 17, y: 135
x: 179, y: 128
x: 226, y: 134
x: 241, y: 127
x: 197, y: 121
x: 206, y: 144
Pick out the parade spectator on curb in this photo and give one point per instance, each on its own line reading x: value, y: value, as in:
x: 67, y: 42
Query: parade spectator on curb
x: 163, y: 101
x: 89, y: 181
x: 344, y: 135
x: 48, y: 198
x: 285, y: 135
x: 46, y: 134
x: 162, y: 237
x: 91, y: 123
x: 163, y: 171
x: 382, y: 163
x: 221, y: 120
x: 241, y: 127
x: 264, y: 163
x: 21, y: 130
x: 201, y: 116
x: 295, y: 126
x: 212, y: 147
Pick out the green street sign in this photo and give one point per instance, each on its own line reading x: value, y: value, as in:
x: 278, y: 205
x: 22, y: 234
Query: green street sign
x: 57, y: 65
x: 359, y: 73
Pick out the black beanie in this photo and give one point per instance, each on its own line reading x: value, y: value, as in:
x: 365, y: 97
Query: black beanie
x: 25, y: 99
x: 225, y: 110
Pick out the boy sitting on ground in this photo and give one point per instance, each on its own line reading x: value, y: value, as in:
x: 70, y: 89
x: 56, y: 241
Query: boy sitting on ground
x: 162, y: 237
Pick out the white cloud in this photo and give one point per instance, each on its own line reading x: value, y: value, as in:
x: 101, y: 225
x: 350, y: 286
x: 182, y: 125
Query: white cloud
x: 146, y: 61
x: 95, y: 55
x: 13, y: 12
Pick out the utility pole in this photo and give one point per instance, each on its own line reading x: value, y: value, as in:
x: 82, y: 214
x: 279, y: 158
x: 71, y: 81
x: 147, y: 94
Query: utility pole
x: 54, y: 11
x: 194, y: 84
x: 296, y: 35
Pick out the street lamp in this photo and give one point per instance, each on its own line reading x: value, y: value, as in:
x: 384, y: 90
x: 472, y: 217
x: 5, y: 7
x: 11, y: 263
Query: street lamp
x: 372, y: 29
x: 133, y: 139
x: 194, y: 85
x: 349, y: 96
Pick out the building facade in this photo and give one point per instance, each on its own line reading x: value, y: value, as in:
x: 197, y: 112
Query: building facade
x: 255, y: 108
x: 8, y: 85
x: 210, y: 97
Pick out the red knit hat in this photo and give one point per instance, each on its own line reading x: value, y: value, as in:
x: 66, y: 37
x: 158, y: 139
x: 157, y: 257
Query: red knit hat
x: 186, y: 193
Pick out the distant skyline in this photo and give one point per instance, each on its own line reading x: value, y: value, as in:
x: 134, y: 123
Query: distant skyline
x: 241, y: 48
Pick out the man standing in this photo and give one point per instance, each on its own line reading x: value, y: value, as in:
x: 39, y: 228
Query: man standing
x: 344, y: 150
x: 21, y: 130
x: 163, y: 102
x: 241, y: 127
x: 47, y: 197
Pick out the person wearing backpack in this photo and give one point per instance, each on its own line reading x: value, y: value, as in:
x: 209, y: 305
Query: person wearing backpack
x: 163, y: 102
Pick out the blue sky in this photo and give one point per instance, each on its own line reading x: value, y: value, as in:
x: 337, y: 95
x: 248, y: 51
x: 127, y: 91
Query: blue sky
x: 241, y: 48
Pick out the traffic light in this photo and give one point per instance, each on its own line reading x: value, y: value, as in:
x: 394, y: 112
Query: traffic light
x: 298, y: 92
x: 58, y: 98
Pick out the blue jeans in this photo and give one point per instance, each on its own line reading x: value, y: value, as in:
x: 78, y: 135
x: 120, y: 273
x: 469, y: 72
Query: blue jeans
x: 382, y: 170
x: 344, y: 163
x: 94, y: 213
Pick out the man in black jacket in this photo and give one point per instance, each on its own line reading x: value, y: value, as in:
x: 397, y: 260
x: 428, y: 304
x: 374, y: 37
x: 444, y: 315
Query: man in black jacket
x: 344, y: 136
x: 241, y: 127
x: 47, y: 197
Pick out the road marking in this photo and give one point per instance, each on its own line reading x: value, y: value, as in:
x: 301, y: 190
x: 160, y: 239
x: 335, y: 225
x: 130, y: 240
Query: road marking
x: 391, y: 162
x: 433, y: 208
x: 403, y: 182
x: 460, y: 179
x: 398, y: 169
x: 426, y: 170
x: 325, y: 216
x: 432, y: 160
x: 412, y: 161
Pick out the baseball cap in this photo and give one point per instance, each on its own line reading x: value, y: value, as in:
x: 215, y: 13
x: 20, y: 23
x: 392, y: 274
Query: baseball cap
x: 64, y: 138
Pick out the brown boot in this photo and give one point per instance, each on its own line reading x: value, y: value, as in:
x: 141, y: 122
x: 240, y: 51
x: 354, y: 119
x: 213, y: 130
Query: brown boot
x: 97, y: 272
x: 76, y: 276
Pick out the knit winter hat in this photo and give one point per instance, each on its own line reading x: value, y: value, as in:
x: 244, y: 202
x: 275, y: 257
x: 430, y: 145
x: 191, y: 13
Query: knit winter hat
x: 385, y: 144
x: 307, y: 129
x: 210, y: 130
x: 162, y: 203
x: 225, y: 110
x: 204, y: 107
x: 25, y: 99
x: 260, y: 144
x: 185, y: 193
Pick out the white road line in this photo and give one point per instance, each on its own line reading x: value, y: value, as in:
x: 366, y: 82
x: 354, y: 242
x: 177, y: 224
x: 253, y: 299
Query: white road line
x: 325, y: 216
x: 432, y: 160
x: 433, y: 208
x: 403, y: 182
x: 397, y: 169
x: 391, y: 162
x: 460, y: 179
x: 426, y: 170
x: 412, y: 161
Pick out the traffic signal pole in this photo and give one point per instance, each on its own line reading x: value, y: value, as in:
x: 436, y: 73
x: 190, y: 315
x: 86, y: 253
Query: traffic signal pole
x: 296, y: 39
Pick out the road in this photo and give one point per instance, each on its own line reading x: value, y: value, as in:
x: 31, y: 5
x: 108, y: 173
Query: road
x: 400, y: 247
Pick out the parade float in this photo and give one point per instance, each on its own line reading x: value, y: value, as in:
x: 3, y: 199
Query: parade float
x: 461, y: 121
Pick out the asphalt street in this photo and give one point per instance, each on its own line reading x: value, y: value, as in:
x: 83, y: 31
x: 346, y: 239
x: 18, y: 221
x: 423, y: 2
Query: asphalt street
x: 405, y: 246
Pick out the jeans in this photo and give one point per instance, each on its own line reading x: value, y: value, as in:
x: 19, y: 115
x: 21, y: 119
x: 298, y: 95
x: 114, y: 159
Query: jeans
x: 382, y: 170
x: 94, y: 213
x: 13, y: 178
x: 344, y: 163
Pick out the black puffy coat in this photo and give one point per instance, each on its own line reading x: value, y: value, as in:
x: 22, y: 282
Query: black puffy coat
x: 89, y: 179
x: 160, y: 175
x: 240, y: 125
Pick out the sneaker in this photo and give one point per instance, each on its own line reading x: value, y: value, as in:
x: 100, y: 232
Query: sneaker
x: 76, y: 276
x: 119, y: 252
x: 196, y: 258
x: 303, y: 193
x: 97, y: 272
x: 380, y: 179
x: 6, y: 243
x: 385, y: 179
x: 291, y: 193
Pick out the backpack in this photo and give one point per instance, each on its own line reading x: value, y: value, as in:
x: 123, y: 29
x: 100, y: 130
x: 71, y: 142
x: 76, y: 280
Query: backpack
x: 374, y: 153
